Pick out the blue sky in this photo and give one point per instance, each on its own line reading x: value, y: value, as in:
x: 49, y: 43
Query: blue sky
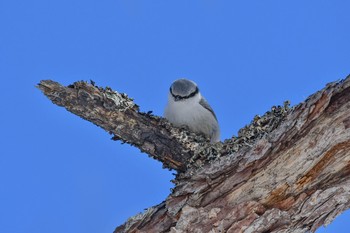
x: 59, y: 173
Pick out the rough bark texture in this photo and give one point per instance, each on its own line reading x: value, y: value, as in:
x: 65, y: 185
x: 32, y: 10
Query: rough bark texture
x: 288, y: 171
x: 117, y: 114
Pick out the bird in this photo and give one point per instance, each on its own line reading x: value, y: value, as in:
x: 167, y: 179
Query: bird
x: 187, y: 107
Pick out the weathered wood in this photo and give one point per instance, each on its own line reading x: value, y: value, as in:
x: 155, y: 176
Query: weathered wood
x: 291, y: 174
x: 119, y: 115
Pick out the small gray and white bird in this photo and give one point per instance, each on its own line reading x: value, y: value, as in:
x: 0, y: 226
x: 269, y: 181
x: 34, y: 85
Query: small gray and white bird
x: 187, y: 107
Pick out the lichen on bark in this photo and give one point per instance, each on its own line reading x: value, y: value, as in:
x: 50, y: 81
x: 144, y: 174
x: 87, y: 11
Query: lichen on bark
x: 287, y: 171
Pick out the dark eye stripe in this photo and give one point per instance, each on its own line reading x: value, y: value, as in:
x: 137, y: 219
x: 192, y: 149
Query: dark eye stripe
x: 178, y: 97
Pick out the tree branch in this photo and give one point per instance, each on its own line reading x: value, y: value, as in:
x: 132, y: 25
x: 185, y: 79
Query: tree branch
x: 119, y: 115
x: 288, y: 171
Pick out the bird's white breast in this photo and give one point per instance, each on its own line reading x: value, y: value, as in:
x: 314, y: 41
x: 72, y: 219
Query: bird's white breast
x: 188, y: 112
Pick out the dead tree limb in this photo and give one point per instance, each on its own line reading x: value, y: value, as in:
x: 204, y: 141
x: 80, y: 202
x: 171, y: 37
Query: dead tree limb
x: 288, y: 171
x: 119, y: 115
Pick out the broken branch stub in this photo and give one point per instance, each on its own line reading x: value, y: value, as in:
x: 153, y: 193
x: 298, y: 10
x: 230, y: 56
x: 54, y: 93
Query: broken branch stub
x: 119, y: 115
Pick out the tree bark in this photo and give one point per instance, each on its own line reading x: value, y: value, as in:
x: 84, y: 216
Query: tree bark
x: 288, y: 171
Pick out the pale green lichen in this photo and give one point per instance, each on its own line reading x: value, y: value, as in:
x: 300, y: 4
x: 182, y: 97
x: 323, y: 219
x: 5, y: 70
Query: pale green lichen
x: 116, y: 100
x: 259, y: 127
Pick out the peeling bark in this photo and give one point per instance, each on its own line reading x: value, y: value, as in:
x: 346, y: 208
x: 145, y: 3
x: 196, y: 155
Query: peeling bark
x: 288, y: 171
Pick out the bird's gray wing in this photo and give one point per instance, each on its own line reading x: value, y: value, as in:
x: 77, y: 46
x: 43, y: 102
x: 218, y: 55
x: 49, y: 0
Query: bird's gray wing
x: 205, y: 104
